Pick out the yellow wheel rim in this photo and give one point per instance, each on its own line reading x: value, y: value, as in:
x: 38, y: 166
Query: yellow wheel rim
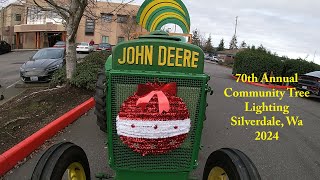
x: 76, y: 172
x: 217, y: 173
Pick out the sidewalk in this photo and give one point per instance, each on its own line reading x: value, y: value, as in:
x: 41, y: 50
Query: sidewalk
x: 18, y: 50
x: 83, y: 132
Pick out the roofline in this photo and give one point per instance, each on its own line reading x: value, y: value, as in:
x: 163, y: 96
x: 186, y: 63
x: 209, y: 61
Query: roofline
x: 14, y: 4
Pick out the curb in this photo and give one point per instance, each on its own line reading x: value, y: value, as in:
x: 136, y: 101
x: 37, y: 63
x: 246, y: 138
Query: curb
x: 18, y: 152
x: 20, y: 50
x: 265, y: 85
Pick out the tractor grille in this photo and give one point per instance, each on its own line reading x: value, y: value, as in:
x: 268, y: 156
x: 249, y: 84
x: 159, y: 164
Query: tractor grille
x: 180, y: 159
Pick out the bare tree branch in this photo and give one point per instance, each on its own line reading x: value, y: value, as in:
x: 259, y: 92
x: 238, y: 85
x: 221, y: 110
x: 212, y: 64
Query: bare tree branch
x: 120, y: 6
x: 81, y: 4
x: 42, y: 8
x: 71, y: 12
x: 63, y: 12
x: 55, y: 8
x: 130, y: 26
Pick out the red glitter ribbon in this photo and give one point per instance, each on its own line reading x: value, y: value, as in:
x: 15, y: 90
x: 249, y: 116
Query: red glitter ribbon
x: 147, y: 91
x: 154, y: 146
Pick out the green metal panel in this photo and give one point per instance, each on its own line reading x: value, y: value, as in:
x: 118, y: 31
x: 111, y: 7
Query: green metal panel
x: 184, y: 57
x: 191, y: 88
x: 134, y: 175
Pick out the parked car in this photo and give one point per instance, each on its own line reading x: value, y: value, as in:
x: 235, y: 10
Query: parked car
x: 211, y: 57
x: 60, y: 44
x: 310, y: 82
x: 40, y: 67
x: 215, y: 59
x: 84, y: 47
x: 104, y: 46
x: 4, y: 47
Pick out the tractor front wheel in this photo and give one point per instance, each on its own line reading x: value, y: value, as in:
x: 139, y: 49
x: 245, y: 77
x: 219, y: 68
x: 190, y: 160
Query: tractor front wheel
x: 62, y: 161
x: 227, y: 164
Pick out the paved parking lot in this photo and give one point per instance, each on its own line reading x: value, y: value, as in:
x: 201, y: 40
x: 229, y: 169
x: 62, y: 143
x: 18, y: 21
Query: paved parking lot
x: 10, y: 64
x: 9, y: 71
x: 296, y: 155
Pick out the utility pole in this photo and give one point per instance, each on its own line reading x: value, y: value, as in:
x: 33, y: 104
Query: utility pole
x: 235, y: 28
x: 314, y: 55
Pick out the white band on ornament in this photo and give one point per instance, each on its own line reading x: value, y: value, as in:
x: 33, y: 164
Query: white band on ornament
x: 150, y: 129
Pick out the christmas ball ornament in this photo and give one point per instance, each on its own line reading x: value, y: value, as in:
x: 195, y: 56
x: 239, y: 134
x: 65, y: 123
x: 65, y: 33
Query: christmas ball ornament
x: 154, y: 120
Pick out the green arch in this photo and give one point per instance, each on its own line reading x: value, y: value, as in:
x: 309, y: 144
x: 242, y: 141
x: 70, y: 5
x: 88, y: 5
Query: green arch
x: 146, y: 2
x: 164, y: 10
x: 161, y: 11
x: 157, y: 12
x: 177, y: 22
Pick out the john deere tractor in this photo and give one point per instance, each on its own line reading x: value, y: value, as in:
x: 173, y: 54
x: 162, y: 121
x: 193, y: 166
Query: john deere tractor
x: 151, y: 104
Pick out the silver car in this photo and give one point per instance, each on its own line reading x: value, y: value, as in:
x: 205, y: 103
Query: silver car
x: 84, y: 47
x: 40, y: 67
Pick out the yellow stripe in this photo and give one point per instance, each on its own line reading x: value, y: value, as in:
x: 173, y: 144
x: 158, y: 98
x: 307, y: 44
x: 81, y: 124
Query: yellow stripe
x: 150, y: 5
x: 166, y: 15
x: 144, y: 22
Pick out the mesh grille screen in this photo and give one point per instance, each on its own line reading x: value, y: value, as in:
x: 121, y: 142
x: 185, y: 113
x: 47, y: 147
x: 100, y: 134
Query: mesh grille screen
x: 179, y: 159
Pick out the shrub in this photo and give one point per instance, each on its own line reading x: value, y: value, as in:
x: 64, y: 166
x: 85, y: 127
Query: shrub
x: 86, y: 72
x: 97, y: 58
x: 59, y: 77
x: 85, y: 75
x: 299, y: 66
x: 257, y: 61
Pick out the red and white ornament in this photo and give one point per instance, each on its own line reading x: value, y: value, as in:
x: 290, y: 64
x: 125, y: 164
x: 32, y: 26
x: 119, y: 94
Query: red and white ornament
x: 153, y: 120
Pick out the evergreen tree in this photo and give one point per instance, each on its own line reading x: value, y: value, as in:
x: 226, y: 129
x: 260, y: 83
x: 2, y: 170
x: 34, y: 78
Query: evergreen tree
x: 233, y: 43
x: 196, y: 38
x: 243, y: 44
x: 262, y: 48
x: 208, y: 48
x: 221, y: 45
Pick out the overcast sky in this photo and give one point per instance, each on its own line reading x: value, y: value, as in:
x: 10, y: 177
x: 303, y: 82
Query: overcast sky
x: 287, y: 27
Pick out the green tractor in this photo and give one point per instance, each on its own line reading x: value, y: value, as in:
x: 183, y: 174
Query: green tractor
x: 151, y: 103
x: 143, y: 143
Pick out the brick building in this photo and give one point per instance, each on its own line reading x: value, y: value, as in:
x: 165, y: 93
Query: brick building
x: 38, y: 29
x: 10, y: 16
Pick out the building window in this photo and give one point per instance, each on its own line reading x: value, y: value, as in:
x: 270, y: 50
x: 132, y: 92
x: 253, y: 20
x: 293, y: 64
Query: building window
x: 106, y: 17
x: 18, y: 17
x: 89, y: 27
x: 122, y: 18
x: 120, y: 39
x: 105, y: 39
